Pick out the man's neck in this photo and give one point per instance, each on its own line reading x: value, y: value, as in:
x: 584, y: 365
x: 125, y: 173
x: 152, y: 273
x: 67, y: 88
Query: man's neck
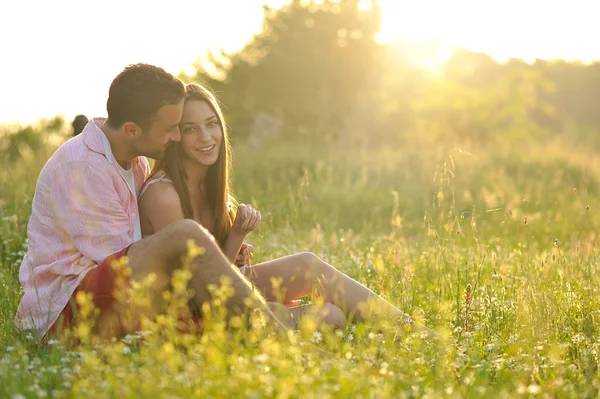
x: 118, y: 145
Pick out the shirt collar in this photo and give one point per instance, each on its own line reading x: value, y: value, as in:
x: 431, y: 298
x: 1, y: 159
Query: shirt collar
x: 97, y: 141
x: 92, y: 136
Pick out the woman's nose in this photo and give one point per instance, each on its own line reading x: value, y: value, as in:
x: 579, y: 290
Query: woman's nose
x: 203, y: 134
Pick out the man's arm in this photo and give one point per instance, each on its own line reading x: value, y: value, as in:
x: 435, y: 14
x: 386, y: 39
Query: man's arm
x: 89, y: 211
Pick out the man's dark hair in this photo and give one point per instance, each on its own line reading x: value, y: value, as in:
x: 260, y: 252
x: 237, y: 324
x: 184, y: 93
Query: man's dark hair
x: 137, y: 93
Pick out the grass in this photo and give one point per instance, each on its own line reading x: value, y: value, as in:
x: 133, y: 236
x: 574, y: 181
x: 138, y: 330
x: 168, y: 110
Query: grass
x: 493, y: 248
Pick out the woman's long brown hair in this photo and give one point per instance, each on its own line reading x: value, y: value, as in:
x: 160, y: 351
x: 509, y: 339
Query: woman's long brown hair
x: 216, y: 184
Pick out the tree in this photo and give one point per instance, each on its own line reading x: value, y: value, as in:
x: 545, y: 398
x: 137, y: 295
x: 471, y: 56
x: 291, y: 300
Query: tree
x: 306, y: 67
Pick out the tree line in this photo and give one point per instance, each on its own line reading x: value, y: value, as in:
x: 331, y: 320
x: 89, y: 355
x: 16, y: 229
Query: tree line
x: 318, y: 69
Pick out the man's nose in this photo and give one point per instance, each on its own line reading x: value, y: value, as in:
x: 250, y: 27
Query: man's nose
x: 176, y: 135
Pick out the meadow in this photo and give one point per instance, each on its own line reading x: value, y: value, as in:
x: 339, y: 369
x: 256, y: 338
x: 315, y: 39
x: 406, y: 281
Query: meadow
x: 492, y: 247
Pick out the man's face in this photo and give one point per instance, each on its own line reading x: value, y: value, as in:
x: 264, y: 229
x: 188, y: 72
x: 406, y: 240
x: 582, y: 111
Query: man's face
x: 153, y: 142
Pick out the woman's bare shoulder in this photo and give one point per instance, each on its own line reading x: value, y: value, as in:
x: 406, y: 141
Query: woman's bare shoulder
x: 159, y: 206
x: 159, y: 196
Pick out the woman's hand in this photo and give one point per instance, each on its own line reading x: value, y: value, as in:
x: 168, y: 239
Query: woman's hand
x: 244, y: 258
x: 246, y: 219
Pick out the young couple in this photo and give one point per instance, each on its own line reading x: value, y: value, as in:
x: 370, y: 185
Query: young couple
x: 85, y: 215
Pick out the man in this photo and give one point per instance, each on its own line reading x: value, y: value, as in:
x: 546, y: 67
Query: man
x: 79, y: 124
x: 85, y: 214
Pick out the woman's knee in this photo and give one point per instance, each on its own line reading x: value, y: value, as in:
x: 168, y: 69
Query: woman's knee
x: 174, y: 238
x: 308, y: 259
x: 187, y: 229
x: 311, y: 262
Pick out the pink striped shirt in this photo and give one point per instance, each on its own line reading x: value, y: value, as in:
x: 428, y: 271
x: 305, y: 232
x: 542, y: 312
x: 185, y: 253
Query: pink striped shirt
x: 83, y: 211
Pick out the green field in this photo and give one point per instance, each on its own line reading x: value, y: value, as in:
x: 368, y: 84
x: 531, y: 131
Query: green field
x: 493, y: 248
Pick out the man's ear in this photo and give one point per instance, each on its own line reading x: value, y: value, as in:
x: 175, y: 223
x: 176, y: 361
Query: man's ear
x: 131, y: 130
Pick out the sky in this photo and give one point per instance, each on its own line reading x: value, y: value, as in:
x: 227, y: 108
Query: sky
x: 60, y: 56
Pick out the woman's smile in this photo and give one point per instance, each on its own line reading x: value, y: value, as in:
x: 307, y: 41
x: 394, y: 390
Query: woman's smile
x: 207, y: 150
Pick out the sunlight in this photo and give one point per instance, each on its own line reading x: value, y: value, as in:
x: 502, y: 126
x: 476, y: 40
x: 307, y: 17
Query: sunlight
x: 365, y: 6
x: 512, y: 29
x: 503, y: 31
x: 444, y: 54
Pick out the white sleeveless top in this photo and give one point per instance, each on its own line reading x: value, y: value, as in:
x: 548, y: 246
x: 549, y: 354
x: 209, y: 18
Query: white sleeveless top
x: 159, y: 177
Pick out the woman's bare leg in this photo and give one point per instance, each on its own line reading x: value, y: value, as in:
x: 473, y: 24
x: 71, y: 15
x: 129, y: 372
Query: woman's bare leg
x: 305, y: 272
x: 325, y: 313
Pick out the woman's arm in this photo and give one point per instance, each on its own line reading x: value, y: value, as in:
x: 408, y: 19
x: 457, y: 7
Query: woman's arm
x: 233, y: 244
x: 246, y: 220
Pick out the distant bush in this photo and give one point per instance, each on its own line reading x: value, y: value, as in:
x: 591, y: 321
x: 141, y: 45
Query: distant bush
x: 17, y: 141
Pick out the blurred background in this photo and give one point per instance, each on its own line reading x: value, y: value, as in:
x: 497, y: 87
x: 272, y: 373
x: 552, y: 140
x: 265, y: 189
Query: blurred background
x: 475, y: 69
x: 364, y: 109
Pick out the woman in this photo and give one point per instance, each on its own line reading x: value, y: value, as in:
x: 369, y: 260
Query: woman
x: 192, y: 181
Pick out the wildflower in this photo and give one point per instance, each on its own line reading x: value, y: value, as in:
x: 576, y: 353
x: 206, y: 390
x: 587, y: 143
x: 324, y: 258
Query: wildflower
x: 126, y: 350
x: 488, y: 347
x: 350, y: 338
x: 534, y: 389
x: 578, y: 338
x: 383, y: 370
x: 316, y: 337
x: 261, y: 358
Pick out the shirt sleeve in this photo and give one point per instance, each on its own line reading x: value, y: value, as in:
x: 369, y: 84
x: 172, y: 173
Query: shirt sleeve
x: 89, y: 211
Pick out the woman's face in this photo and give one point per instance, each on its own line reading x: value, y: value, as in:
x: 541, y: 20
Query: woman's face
x: 201, y: 133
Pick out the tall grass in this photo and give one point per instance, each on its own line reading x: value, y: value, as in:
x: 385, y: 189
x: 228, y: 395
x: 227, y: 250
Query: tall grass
x: 494, y: 248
